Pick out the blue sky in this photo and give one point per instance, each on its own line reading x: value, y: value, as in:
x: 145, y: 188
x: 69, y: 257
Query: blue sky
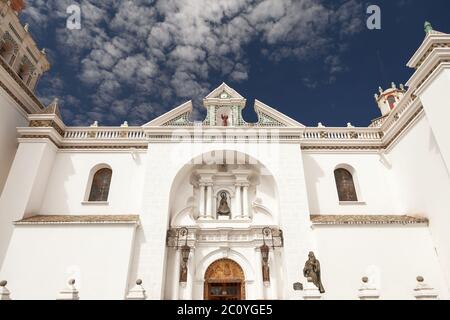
x: 313, y: 60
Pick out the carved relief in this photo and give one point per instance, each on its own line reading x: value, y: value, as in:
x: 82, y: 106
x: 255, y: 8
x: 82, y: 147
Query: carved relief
x: 224, y: 270
x: 224, y: 280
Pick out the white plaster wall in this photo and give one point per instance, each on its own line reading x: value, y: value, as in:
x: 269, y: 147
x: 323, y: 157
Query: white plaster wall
x: 10, y: 118
x: 392, y: 256
x: 423, y: 184
x: 68, y: 183
x: 164, y: 161
x: 42, y: 258
x: 375, y: 191
x: 25, y: 187
x: 435, y: 98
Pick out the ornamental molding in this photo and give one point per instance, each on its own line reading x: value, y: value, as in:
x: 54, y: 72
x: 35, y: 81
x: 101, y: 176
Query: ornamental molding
x: 175, y: 117
x: 431, y: 42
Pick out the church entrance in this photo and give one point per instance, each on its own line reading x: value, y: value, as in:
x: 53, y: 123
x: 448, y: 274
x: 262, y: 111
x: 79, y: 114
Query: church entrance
x: 224, y: 280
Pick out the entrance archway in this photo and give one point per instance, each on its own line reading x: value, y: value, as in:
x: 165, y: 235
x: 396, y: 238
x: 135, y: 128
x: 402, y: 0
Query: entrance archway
x: 224, y: 280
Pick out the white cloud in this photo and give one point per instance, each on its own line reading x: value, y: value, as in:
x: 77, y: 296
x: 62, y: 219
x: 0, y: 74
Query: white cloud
x: 137, y: 58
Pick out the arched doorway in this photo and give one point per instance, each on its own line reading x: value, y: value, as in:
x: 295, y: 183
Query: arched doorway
x: 224, y: 280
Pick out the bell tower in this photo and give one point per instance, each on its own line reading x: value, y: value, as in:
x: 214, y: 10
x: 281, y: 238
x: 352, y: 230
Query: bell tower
x: 224, y: 107
x: 19, y: 54
x: 388, y: 99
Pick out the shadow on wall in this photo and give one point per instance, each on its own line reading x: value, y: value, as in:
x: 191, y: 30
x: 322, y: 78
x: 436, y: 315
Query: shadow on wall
x: 313, y: 173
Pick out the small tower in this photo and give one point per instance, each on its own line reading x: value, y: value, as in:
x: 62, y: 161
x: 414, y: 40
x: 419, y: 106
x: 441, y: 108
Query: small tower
x: 389, y: 98
x: 19, y: 53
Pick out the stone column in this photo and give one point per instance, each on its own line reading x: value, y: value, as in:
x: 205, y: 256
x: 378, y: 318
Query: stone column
x: 245, y: 204
x: 238, y: 202
x: 209, y: 209
x: 137, y: 292
x: 201, y: 206
x: 368, y: 291
x: 4, y: 292
x: 176, y: 276
x: 423, y: 291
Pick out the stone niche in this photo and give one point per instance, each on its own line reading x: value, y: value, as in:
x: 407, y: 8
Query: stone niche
x: 224, y: 192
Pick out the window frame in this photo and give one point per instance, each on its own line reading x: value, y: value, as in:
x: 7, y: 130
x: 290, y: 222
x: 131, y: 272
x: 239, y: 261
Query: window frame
x: 355, y: 179
x: 90, y: 181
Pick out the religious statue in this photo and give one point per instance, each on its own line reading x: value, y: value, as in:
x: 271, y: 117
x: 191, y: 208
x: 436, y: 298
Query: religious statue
x: 224, y: 120
x: 223, y: 209
x: 311, y: 271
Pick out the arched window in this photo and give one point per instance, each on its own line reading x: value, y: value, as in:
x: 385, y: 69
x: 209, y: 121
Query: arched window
x: 7, y: 51
x: 345, y: 185
x: 100, y: 185
x: 391, y: 100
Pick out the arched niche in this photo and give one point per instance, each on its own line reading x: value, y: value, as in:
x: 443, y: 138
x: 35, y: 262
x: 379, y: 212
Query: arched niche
x: 263, y: 186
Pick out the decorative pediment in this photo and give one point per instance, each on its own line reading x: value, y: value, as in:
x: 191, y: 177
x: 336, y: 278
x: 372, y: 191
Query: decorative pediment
x: 269, y: 117
x: 180, y: 116
x: 225, y: 96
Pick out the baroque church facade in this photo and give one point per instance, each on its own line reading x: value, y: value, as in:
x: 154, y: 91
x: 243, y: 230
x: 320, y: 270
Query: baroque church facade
x: 222, y: 208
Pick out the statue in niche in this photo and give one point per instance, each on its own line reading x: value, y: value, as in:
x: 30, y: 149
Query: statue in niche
x: 311, y: 271
x: 224, y: 208
x: 224, y: 120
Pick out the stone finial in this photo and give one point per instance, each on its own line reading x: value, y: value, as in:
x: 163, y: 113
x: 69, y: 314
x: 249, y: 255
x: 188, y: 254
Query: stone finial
x: 4, y: 292
x: 125, y: 124
x: 137, y: 292
x: 44, y: 51
x: 349, y: 125
x: 376, y: 96
x: 367, y: 291
x: 26, y: 27
x: 423, y: 291
x: 393, y: 86
x: 402, y: 87
x: 95, y: 124
x: 69, y: 293
x: 320, y: 125
x: 52, y: 109
x: 380, y: 90
x: 428, y: 27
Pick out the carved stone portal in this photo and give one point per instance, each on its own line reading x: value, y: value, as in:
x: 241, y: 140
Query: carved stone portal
x: 224, y: 280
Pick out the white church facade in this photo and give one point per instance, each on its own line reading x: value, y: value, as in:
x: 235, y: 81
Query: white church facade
x: 223, y: 209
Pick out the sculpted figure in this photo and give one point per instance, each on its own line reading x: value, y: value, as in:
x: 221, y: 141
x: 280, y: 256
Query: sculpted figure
x: 224, y: 120
x: 224, y: 208
x: 312, y: 271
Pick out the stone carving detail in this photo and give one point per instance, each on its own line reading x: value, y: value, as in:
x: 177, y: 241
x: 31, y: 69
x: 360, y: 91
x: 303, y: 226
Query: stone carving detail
x: 224, y: 270
x: 180, y: 121
x: 46, y: 124
x: 311, y: 271
x: 265, y: 120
